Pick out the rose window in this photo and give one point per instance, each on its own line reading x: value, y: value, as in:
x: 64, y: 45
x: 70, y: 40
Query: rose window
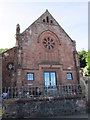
x: 48, y: 43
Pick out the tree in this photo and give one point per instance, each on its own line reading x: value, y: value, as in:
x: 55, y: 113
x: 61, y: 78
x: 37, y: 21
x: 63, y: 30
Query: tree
x: 88, y: 61
x: 3, y: 50
x: 82, y: 58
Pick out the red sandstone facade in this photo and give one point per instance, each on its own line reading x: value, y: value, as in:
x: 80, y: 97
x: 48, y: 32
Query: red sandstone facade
x: 44, y: 55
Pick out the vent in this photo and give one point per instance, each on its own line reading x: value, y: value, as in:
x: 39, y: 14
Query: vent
x: 47, y: 20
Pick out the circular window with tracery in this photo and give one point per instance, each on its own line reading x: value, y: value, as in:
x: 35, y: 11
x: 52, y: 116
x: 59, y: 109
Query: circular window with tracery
x: 48, y: 43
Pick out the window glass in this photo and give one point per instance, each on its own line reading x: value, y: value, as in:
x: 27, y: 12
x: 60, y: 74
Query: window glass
x: 53, y: 79
x: 47, y: 82
x: 50, y: 79
x: 69, y: 76
x: 30, y: 76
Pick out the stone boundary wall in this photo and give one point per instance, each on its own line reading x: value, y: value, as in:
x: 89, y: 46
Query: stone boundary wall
x: 0, y: 77
x: 43, y: 107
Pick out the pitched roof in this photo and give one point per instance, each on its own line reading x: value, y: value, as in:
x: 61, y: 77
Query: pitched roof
x: 43, y: 17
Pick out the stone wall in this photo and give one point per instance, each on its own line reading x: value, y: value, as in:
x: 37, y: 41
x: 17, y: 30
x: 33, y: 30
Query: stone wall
x: 0, y: 76
x: 8, y: 57
x: 43, y: 107
x: 34, y: 55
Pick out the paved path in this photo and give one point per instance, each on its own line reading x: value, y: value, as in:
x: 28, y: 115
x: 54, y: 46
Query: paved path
x: 66, y: 117
x: 75, y: 116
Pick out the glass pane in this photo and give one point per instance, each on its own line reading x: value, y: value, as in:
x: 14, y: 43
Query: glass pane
x: 53, y: 79
x: 69, y: 76
x: 27, y: 76
x: 30, y: 76
x: 46, y: 78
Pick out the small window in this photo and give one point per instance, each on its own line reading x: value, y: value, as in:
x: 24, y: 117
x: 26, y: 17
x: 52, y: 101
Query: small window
x: 69, y: 76
x: 30, y: 76
x: 43, y: 20
x: 51, y: 21
x: 47, y: 19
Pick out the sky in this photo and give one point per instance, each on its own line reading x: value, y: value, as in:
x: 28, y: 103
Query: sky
x: 72, y: 17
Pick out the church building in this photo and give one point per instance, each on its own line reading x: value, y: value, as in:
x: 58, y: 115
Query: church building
x: 44, y: 55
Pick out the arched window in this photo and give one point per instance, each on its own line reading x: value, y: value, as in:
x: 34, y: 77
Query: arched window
x: 51, y: 21
x: 47, y: 18
x: 43, y: 20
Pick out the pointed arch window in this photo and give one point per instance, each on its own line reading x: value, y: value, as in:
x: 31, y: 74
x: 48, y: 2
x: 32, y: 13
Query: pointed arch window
x: 47, y: 18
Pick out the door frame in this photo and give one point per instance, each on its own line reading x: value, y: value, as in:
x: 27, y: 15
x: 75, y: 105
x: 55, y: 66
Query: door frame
x: 50, y: 77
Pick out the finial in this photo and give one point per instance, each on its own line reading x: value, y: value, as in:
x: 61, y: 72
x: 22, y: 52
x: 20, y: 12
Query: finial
x: 17, y: 34
x: 46, y: 10
x: 17, y: 29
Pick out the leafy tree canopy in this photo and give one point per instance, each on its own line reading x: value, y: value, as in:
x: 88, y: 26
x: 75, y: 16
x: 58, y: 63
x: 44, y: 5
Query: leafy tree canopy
x: 88, y: 61
x: 3, y: 50
x: 82, y: 58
